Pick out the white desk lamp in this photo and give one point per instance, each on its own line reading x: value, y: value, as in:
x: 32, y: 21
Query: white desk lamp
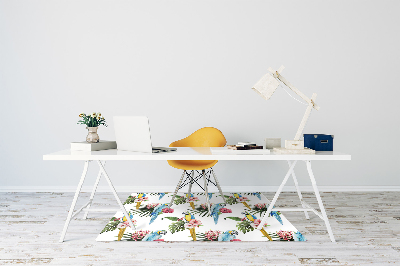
x: 266, y: 86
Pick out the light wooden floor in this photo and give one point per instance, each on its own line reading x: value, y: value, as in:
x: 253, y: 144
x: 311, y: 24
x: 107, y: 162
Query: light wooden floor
x: 366, y: 226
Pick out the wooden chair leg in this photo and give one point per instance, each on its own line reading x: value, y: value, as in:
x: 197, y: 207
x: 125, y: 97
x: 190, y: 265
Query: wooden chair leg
x: 218, y: 186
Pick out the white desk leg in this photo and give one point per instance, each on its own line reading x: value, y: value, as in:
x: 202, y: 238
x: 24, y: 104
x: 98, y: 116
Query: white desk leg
x: 299, y: 192
x: 115, y: 194
x: 321, y: 205
x: 71, y: 210
x: 93, y: 192
x: 218, y: 186
x: 206, y: 191
x: 276, y: 195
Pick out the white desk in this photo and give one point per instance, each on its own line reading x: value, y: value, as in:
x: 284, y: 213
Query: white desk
x: 194, y: 154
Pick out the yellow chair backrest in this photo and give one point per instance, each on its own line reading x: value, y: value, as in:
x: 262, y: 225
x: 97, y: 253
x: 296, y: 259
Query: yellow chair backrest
x: 204, y: 137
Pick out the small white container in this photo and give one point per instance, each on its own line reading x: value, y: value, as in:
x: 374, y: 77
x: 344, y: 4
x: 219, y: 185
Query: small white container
x: 294, y: 144
x: 271, y: 143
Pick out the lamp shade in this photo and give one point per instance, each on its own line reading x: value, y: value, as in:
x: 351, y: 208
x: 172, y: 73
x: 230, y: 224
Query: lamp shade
x: 266, y: 86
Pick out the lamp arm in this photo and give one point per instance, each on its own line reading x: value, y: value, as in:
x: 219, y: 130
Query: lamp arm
x: 293, y: 88
x: 305, y: 117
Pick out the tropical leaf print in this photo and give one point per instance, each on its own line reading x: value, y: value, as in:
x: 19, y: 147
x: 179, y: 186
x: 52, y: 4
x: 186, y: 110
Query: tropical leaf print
x: 244, y: 227
x: 177, y: 226
x: 145, y: 210
x: 201, y: 210
x: 230, y: 200
x: 130, y: 200
x: 111, y: 226
x: 179, y: 200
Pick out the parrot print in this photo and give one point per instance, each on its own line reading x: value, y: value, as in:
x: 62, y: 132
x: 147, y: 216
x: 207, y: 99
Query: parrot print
x: 161, y: 195
x: 298, y: 237
x: 228, y: 235
x: 258, y: 194
x: 215, y: 211
x: 157, y: 211
x: 252, y: 219
x: 154, y: 235
x: 277, y: 216
x: 188, y: 217
x: 139, y: 197
x: 239, y: 197
x: 217, y: 221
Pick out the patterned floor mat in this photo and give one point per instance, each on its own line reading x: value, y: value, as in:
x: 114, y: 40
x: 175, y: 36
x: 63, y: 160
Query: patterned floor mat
x: 188, y: 219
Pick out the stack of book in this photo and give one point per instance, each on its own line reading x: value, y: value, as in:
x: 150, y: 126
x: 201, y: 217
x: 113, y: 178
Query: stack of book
x: 240, y: 148
x: 245, y: 146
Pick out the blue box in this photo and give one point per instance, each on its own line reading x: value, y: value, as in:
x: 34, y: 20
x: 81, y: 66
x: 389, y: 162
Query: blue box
x: 318, y: 142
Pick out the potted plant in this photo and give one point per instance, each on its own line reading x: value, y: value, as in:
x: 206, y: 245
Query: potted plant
x: 92, y: 123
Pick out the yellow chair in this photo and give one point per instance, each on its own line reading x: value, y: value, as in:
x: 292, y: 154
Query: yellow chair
x: 204, y: 137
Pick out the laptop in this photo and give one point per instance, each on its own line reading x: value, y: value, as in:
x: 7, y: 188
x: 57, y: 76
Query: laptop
x: 133, y: 134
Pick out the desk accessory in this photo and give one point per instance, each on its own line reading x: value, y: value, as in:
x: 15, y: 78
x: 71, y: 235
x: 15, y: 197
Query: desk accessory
x: 227, y: 151
x: 318, y: 142
x: 92, y: 123
x: 266, y: 86
x: 98, y: 146
x: 271, y: 143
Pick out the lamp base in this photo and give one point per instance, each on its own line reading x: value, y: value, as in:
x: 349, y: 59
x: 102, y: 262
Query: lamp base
x: 293, y: 151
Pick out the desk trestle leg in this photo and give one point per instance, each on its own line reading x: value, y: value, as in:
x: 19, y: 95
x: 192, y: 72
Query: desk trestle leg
x: 321, y: 205
x: 115, y: 194
x: 71, y: 210
x: 93, y: 192
x: 299, y: 192
x: 276, y: 195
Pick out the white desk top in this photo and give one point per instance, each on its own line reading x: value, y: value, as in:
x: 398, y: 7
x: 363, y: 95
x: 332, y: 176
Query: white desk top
x: 202, y: 153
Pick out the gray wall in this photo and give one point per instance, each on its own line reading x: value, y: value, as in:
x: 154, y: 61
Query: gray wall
x: 190, y: 64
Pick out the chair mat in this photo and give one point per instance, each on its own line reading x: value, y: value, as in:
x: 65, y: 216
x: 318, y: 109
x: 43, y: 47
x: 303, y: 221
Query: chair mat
x: 188, y: 219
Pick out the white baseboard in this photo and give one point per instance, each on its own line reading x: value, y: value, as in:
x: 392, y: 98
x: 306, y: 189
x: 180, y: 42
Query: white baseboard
x: 196, y: 189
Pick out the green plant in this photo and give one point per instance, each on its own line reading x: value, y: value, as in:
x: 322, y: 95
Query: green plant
x: 93, y: 120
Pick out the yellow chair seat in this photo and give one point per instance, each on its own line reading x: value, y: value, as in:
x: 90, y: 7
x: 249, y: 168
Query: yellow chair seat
x: 191, y: 164
x: 204, y: 137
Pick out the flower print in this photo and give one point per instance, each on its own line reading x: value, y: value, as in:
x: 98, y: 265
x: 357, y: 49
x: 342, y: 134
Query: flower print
x: 260, y: 206
x: 94, y: 115
x: 204, y: 206
x: 236, y: 239
x: 126, y: 224
x: 212, y: 235
x: 285, y: 235
x: 193, y: 223
x: 256, y: 223
x: 142, y: 199
x: 152, y: 205
x: 241, y: 199
x: 225, y: 210
x: 139, y: 235
x: 193, y: 199
x: 167, y: 210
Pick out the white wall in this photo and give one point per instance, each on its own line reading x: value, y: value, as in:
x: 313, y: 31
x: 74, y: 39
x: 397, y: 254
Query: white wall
x: 190, y: 64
